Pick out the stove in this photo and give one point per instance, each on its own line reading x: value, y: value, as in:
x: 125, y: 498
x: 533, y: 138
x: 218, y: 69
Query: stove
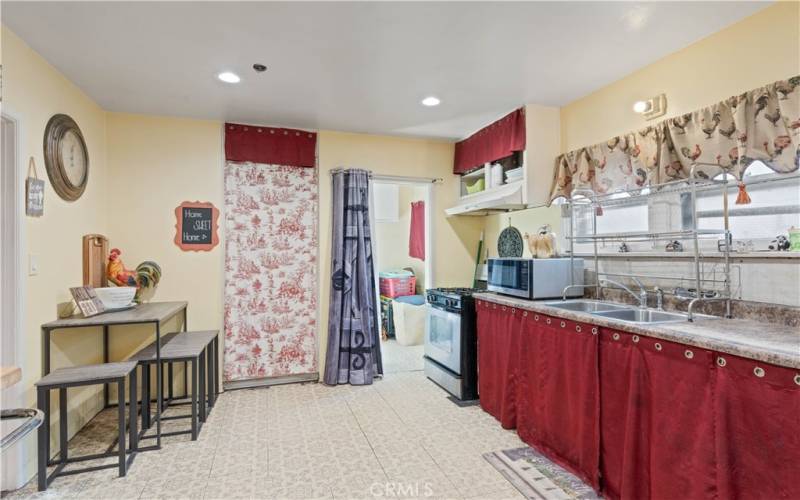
x: 451, y: 356
x: 451, y: 299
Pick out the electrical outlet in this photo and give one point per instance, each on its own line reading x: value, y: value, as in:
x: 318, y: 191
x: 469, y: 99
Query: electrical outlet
x: 33, y: 264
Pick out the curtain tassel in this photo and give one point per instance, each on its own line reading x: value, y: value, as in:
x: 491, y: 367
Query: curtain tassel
x: 743, y: 198
x: 598, y: 211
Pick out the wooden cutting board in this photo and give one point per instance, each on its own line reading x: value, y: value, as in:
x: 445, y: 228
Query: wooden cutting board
x: 95, y: 253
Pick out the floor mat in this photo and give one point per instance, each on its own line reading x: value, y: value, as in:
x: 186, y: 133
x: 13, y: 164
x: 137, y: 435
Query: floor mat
x: 536, y: 477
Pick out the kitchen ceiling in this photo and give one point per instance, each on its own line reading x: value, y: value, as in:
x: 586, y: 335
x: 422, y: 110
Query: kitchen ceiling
x: 357, y: 66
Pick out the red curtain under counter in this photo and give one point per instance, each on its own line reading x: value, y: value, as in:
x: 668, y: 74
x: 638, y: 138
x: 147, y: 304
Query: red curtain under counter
x: 530, y: 388
x: 499, y: 329
x: 559, y: 403
x: 757, y: 428
x: 638, y: 417
x: 489, y: 372
x: 657, y: 418
x: 621, y: 453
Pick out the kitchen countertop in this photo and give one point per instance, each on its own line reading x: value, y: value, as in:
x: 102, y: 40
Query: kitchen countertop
x: 768, y: 342
x: 9, y: 375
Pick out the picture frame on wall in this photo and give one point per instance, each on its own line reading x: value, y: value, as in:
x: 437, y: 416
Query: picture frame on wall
x: 34, y: 192
x: 196, y: 226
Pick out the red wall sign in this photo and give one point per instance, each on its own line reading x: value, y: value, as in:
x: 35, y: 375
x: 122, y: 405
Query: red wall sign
x: 196, y: 226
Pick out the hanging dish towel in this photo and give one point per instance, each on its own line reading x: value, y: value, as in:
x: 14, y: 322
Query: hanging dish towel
x: 416, y: 239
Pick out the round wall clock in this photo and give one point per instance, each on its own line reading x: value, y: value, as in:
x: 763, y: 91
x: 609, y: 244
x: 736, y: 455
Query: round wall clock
x: 65, y: 157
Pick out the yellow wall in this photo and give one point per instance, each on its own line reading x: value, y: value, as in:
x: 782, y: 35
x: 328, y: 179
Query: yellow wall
x: 33, y: 91
x: 141, y: 168
x: 155, y: 163
x: 756, y: 51
x: 455, y: 239
x: 392, y: 237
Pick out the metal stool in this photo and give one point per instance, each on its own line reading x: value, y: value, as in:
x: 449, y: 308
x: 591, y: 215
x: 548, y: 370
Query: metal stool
x: 77, y: 376
x: 200, y: 350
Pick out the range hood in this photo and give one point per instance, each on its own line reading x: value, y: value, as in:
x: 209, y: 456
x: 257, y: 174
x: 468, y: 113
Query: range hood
x: 498, y: 199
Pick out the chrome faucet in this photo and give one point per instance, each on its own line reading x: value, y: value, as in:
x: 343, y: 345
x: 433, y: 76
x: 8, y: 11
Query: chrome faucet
x: 641, y: 296
x: 659, y: 298
x: 568, y: 287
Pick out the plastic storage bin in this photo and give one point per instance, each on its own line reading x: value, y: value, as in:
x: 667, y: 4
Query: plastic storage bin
x: 397, y: 283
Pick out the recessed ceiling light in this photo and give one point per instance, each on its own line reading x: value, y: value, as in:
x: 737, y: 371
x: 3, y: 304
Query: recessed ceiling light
x: 431, y: 101
x: 228, y: 77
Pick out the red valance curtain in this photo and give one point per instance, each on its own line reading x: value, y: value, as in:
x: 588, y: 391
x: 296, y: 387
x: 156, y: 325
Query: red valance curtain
x: 495, y: 141
x: 271, y: 146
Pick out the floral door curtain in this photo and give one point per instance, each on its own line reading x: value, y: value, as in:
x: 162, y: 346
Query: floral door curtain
x: 270, y: 253
x: 354, y: 354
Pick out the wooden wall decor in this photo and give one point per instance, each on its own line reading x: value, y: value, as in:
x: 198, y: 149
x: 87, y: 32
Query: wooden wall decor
x: 196, y: 226
x: 95, y: 252
x: 34, y: 192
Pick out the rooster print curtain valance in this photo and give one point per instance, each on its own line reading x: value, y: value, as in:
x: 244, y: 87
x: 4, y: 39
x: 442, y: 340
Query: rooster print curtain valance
x: 762, y: 124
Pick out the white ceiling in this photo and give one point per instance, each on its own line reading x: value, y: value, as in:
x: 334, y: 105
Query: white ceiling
x: 357, y: 66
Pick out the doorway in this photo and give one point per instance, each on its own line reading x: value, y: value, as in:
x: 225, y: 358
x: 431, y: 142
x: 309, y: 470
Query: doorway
x: 11, y: 292
x: 402, y: 249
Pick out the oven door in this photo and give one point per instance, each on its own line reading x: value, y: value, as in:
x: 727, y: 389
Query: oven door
x: 443, y: 338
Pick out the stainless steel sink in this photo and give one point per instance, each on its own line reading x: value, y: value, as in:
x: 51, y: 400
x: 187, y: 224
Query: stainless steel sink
x: 590, y: 306
x: 643, y: 316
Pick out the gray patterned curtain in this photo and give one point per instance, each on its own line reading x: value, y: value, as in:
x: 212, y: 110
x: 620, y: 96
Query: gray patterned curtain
x: 354, y: 355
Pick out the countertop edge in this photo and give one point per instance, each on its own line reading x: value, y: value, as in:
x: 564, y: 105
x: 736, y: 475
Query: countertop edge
x: 779, y: 353
x: 118, y: 318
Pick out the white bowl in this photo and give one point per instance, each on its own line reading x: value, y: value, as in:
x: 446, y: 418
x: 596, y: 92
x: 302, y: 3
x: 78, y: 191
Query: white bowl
x: 114, y: 297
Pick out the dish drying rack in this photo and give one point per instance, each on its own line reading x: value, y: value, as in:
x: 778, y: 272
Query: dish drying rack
x: 692, y: 185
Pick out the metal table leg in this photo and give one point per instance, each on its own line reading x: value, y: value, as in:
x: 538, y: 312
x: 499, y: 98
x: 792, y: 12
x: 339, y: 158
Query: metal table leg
x: 159, y: 389
x: 133, y: 434
x: 105, y: 360
x: 121, y: 424
x: 145, y: 396
x: 62, y: 425
x: 185, y: 363
x: 43, y: 435
x: 216, y: 365
x: 212, y: 373
x: 46, y: 350
x: 170, y: 375
x: 194, y: 399
x: 202, y: 384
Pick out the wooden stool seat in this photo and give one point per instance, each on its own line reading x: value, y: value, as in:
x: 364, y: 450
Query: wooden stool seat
x: 86, y: 375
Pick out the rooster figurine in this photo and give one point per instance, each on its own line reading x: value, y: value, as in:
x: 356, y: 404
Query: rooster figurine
x: 144, y: 278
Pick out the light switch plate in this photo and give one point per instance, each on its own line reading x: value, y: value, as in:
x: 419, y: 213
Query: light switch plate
x: 33, y: 264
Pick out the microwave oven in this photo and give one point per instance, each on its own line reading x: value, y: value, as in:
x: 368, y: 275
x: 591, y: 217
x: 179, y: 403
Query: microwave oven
x: 535, y: 278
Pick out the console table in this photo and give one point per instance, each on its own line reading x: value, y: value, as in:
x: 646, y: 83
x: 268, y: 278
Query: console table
x: 153, y: 313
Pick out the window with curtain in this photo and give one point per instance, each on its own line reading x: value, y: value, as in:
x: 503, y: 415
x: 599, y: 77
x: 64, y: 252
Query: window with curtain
x: 774, y: 208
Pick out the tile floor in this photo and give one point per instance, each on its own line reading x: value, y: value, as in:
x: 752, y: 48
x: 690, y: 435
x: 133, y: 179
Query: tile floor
x: 400, y: 358
x: 398, y: 438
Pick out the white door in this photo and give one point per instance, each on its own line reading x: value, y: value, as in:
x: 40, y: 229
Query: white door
x: 11, y: 193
